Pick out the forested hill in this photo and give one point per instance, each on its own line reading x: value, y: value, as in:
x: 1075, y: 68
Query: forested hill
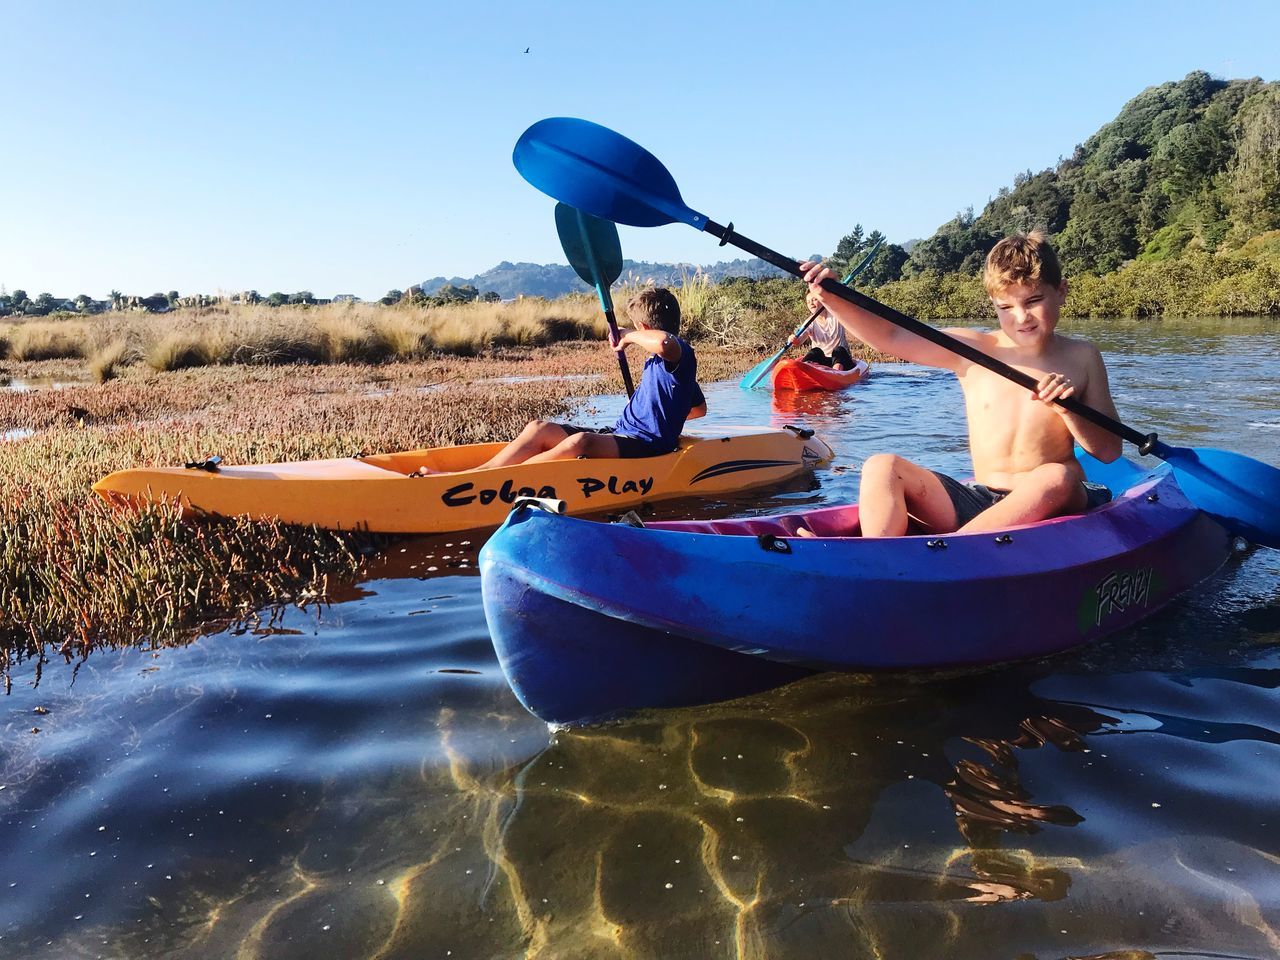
x: 1191, y: 164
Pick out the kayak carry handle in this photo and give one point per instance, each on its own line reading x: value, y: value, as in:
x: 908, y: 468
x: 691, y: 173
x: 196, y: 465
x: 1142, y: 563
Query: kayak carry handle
x: 540, y: 503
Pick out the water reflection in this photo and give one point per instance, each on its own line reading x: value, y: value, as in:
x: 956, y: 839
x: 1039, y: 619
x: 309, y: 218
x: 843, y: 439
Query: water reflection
x: 837, y: 813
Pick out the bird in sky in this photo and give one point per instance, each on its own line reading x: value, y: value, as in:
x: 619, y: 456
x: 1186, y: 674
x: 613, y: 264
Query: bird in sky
x: 526, y: 49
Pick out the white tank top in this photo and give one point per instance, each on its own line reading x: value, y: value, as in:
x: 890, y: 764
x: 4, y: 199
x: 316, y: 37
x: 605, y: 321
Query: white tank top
x: 826, y: 333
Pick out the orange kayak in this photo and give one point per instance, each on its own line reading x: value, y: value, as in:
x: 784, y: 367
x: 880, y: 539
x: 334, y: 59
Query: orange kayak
x: 798, y: 375
x: 387, y: 493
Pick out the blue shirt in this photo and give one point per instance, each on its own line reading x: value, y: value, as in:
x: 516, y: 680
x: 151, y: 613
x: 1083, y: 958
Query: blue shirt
x: 663, y: 399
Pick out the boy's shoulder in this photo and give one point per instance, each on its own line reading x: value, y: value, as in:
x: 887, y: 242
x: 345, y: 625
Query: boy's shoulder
x: 1077, y: 346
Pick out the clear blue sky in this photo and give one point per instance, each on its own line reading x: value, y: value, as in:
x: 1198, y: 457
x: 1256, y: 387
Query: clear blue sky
x: 345, y: 148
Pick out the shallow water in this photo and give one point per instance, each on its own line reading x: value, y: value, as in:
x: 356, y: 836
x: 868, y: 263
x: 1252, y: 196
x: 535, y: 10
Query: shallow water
x: 358, y: 781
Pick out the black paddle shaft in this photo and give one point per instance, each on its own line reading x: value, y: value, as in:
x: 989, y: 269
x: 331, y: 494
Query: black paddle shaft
x: 622, y: 362
x: 1144, y: 441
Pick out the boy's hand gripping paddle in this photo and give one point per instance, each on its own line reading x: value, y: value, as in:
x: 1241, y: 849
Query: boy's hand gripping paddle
x: 603, y: 173
x: 595, y: 253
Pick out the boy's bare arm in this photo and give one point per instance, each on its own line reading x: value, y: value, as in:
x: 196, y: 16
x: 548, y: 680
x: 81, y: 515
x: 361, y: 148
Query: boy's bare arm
x: 655, y: 341
x: 1096, y: 440
x: 880, y: 334
x: 695, y: 412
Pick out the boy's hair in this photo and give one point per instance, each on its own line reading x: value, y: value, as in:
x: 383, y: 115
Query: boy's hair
x: 1024, y: 258
x: 657, y: 307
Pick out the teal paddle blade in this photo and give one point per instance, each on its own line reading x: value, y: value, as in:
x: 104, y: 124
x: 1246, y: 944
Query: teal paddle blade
x: 595, y: 253
x: 757, y: 373
x: 591, y: 244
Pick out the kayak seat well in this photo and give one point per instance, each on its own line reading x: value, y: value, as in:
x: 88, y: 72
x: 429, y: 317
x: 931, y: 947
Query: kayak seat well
x: 839, y: 521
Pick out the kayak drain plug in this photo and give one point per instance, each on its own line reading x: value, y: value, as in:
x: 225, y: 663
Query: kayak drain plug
x: 773, y: 544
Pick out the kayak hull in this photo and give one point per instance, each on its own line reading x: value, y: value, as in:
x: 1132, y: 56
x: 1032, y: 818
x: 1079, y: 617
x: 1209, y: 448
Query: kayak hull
x: 792, y: 374
x: 591, y: 619
x: 378, y: 493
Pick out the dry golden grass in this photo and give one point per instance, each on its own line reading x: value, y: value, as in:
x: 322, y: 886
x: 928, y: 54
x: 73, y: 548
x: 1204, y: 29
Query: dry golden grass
x: 46, y: 340
x: 106, y: 362
x: 344, y: 332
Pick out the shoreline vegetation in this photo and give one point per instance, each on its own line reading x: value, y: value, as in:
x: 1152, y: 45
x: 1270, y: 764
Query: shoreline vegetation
x: 76, y: 574
x: 256, y: 384
x: 740, y: 313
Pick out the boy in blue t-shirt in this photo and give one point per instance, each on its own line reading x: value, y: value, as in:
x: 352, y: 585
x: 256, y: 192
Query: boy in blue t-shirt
x: 667, y: 395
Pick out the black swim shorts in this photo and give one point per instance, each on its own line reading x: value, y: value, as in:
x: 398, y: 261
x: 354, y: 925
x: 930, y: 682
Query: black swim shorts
x: 629, y: 448
x: 970, y: 499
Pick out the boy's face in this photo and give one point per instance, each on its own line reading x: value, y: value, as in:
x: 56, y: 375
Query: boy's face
x: 1029, y: 312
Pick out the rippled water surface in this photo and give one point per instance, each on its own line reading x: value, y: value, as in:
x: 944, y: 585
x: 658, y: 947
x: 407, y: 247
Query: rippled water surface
x: 358, y: 781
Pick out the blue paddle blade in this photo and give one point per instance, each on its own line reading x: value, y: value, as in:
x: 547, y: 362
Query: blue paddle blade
x: 591, y: 244
x: 601, y: 173
x: 1239, y: 492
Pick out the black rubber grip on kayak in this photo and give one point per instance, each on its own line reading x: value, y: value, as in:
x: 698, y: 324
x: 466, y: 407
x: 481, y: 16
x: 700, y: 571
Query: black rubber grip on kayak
x: 773, y: 544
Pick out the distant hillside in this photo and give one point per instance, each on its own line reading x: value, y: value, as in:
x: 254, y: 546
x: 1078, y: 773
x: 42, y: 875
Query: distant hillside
x: 511, y: 280
x: 1194, y: 163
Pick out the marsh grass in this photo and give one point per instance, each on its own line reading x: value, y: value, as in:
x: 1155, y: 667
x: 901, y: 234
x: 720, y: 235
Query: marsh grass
x: 747, y: 316
x: 694, y: 295
x: 333, y: 333
x: 46, y: 340
x: 106, y: 361
x: 180, y: 350
x: 76, y: 574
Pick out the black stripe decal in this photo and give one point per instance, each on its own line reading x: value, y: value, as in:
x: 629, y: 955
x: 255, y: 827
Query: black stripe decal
x: 737, y: 466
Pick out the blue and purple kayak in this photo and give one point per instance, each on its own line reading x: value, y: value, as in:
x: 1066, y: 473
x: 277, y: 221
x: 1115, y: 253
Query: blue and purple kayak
x: 590, y: 620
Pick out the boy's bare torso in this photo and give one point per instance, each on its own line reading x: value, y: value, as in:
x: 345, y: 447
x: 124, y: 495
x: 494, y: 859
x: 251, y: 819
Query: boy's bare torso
x: 1010, y: 431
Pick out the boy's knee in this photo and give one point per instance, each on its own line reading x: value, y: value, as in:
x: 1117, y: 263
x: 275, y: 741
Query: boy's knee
x: 574, y: 445
x: 881, y: 465
x: 1056, y: 482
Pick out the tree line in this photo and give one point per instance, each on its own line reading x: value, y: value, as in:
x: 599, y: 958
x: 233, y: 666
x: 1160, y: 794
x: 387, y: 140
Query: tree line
x: 20, y: 304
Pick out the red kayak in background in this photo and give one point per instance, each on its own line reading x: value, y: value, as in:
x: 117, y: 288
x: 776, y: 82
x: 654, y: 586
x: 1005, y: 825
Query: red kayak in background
x: 798, y: 375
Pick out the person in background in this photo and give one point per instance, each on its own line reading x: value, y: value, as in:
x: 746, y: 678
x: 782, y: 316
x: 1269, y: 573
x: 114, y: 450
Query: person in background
x: 828, y: 345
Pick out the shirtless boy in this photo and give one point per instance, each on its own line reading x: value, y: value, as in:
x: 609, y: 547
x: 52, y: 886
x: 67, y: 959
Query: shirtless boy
x: 1021, y: 443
